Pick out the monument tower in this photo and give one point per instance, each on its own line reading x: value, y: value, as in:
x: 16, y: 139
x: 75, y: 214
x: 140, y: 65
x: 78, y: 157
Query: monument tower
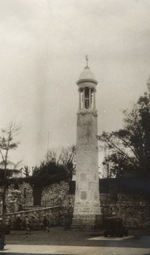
x: 87, y: 204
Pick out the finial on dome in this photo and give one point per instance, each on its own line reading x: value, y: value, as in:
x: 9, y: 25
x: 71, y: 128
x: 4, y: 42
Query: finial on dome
x: 87, y: 59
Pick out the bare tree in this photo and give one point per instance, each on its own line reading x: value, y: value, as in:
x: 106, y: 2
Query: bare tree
x: 63, y: 156
x: 7, y: 143
x: 26, y: 171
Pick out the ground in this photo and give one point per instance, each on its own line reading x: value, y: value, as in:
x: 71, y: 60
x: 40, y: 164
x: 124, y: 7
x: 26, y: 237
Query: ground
x: 59, y: 241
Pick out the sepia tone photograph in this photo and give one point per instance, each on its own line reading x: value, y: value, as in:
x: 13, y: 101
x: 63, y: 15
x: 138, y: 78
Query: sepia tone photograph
x: 75, y: 127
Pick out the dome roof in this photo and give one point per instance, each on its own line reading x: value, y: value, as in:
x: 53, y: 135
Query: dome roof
x: 87, y: 74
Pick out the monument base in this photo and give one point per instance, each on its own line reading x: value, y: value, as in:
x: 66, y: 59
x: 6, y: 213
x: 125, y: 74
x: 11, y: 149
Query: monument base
x: 87, y: 221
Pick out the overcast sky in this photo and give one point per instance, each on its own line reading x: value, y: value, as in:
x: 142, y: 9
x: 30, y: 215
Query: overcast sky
x: 43, y: 44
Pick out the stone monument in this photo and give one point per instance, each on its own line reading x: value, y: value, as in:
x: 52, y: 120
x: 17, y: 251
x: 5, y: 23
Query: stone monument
x: 87, y: 203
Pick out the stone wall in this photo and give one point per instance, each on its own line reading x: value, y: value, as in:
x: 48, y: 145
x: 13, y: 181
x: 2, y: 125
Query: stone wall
x: 36, y: 216
x: 128, y: 198
x: 26, y: 194
x: 58, y: 195
x: 21, y: 200
x: 133, y: 208
x: 13, y: 199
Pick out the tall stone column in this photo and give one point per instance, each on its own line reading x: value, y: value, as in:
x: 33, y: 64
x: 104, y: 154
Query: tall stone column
x: 87, y: 203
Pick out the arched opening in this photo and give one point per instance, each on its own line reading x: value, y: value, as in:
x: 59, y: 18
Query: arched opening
x: 86, y: 98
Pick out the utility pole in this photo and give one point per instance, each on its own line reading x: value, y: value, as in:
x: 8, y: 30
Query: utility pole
x: 47, y: 146
x: 4, y: 205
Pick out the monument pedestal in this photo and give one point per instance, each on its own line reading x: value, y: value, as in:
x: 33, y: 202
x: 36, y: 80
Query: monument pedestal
x: 87, y: 212
x: 87, y: 221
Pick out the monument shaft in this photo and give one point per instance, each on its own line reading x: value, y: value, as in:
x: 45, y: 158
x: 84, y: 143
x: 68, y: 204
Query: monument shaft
x: 87, y: 204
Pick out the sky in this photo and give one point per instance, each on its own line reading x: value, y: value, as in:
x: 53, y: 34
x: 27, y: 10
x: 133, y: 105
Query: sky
x: 43, y: 44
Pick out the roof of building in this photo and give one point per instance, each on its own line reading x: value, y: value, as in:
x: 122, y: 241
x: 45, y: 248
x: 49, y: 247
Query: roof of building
x: 10, y: 166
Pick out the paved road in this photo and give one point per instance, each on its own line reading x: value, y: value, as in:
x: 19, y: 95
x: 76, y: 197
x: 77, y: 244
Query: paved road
x: 59, y: 241
x: 76, y: 250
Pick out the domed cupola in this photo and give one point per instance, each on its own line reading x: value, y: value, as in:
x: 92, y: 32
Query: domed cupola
x: 87, y: 76
x: 87, y: 88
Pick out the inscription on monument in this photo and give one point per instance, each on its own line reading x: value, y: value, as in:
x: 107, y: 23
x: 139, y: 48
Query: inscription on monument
x: 82, y: 177
x: 83, y: 195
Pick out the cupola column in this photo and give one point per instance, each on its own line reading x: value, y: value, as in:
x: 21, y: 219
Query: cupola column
x: 84, y: 98
x: 79, y: 99
x: 90, y: 101
x: 94, y: 100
